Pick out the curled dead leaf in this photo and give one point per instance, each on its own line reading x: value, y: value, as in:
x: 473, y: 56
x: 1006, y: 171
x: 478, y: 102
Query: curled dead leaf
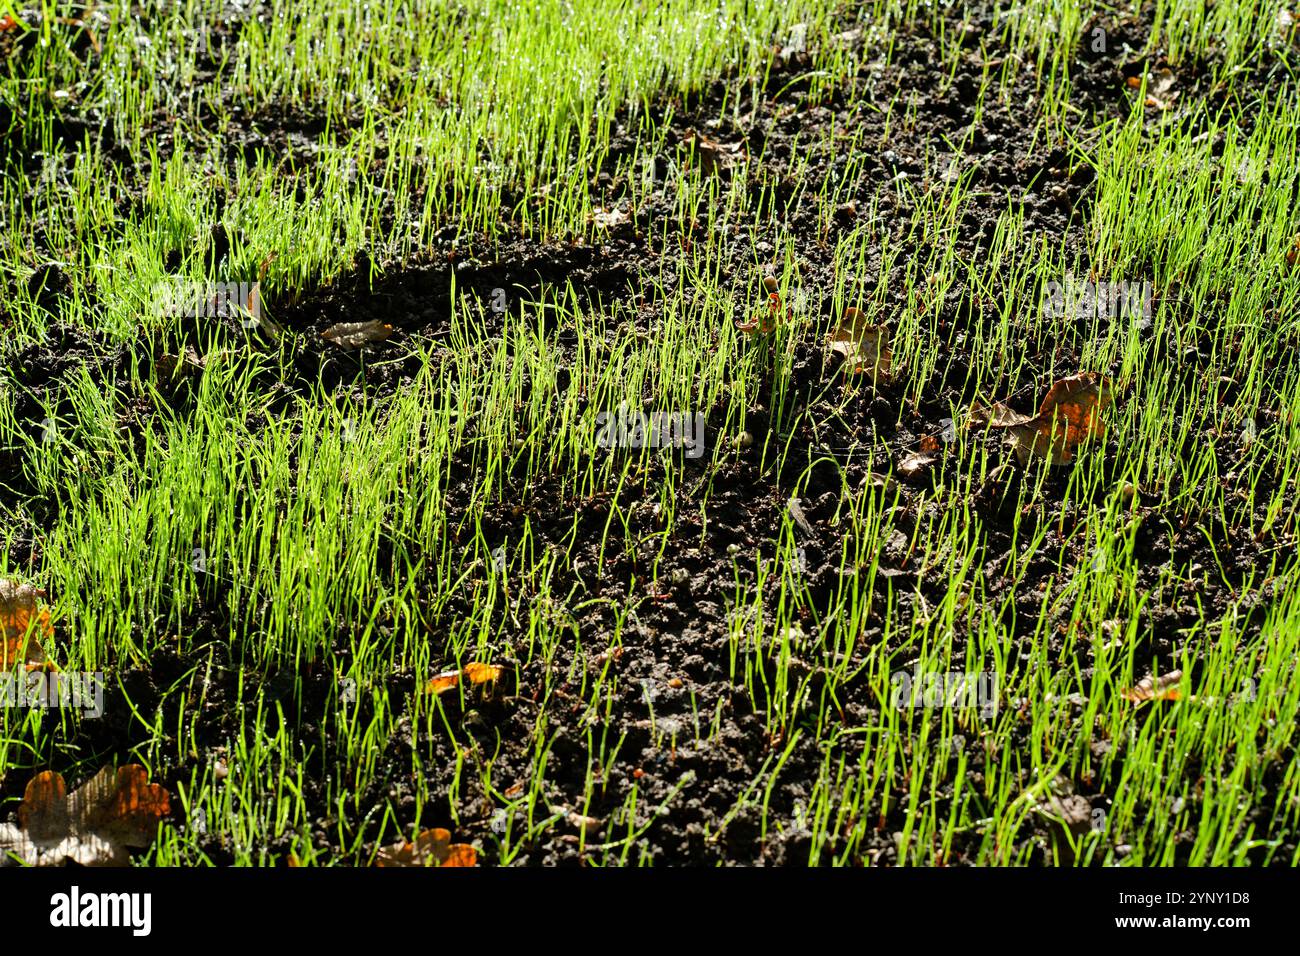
x: 431, y: 847
x: 476, y: 673
x: 1164, y: 687
x: 353, y: 335
x: 865, y: 346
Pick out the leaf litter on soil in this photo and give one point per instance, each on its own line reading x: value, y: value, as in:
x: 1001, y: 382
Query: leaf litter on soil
x: 476, y: 673
x: 1069, y: 415
x: 864, y: 346
x: 432, y: 847
x: 97, y: 825
x: 1164, y: 687
x: 353, y: 335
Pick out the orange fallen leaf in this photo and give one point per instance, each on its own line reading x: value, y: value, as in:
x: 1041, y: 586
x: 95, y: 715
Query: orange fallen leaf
x: 23, y: 623
x: 476, y: 673
x: 1293, y: 253
x: 482, y: 673
x: 1069, y: 415
x: 94, y: 826
x: 353, y: 335
x: 1164, y: 687
x: 431, y: 846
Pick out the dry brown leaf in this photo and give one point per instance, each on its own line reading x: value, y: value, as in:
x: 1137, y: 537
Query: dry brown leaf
x: 94, y: 826
x: 430, y: 847
x: 353, y: 335
x: 714, y: 156
x: 582, y: 822
x: 1164, y: 687
x: 916, y: 464
x: 19, y: 615
x: 1293, y: 253
x: 998, y: 415
x: 188, y: 362
x: 865, y: 347
x: 1069, y: 415
x: 476, y: 673
x: 1161, y: 91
